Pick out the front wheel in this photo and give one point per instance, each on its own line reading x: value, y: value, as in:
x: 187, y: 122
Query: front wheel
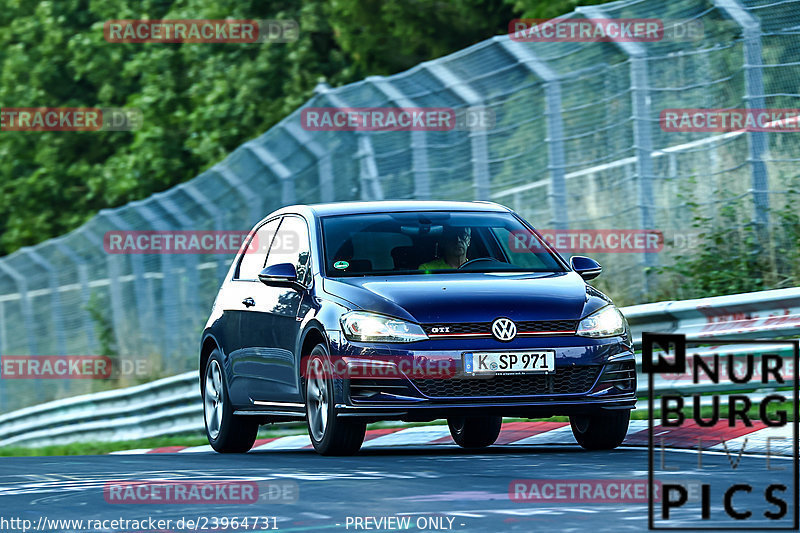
x: 475, y: 431
x: 226, y: 432
x: 602, y: 431
x: 330, y: 435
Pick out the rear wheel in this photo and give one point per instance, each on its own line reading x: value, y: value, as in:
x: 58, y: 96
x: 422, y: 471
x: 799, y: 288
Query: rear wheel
x: 475, y: 431
x: 330, y: 435
x: 602, y: 431
x: 226, y: 432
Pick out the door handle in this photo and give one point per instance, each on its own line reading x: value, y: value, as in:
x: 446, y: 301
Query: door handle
x: 249, y: 302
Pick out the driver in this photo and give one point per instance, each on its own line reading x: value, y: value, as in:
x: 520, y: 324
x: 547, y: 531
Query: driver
x: 451, y: 249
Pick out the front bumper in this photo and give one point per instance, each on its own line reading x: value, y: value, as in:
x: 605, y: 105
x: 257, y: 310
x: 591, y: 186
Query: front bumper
x: 592, y: 375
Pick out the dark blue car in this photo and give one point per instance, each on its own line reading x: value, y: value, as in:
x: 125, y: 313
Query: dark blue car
x: 345, y: 314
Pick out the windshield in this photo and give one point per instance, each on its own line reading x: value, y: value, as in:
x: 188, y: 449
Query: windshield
x: 432, y: 243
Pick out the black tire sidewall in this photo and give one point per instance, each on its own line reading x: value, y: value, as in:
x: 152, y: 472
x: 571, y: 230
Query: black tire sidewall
x: 602, y: 431
x: 320, y: 352
x: 234, y: 432
x: 475, y: 432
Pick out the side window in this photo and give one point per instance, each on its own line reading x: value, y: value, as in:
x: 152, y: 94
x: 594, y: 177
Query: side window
x: 291, y: 246
x: 254, y: 256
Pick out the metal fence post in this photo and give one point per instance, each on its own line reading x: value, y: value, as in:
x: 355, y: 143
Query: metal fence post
x: 323, y: 156
x: 642, y: 135
x: 288, y: 194
x: 478, y: 138
x: 25, y: 304
x: 141, y: 293
x: 555, y: 127
x: 191, y: 267
x: 191, y: 189
x: 757, y: 141
x: 419, y: 145
x: 3, y: 331
x: 253, y: 201
x: 55, y: 298
x: 369, y: 179
x: 83, y: 280
x: 170, y: 304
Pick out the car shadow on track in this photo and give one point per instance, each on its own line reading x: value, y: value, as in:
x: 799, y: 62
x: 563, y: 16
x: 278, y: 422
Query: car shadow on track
x: 454, y: 451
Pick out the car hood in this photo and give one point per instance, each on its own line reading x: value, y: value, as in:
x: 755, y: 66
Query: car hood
x: 471, y: 297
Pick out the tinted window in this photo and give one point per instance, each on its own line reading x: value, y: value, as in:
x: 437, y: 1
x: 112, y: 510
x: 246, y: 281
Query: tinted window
x: 255, y: 255
x: 291, y: 246
x: 432, y: 242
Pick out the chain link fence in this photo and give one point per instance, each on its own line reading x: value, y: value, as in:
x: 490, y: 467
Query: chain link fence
x: 576, y: 144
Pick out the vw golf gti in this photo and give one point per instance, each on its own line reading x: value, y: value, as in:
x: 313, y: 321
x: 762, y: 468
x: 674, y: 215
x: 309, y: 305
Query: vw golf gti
x: 350, y: 313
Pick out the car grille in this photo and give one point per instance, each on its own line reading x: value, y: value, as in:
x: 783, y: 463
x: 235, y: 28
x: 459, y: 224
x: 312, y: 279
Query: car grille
x: 620, y: 375
x: 566, y: 380
x: 364, y: 389
x: 485, y: 328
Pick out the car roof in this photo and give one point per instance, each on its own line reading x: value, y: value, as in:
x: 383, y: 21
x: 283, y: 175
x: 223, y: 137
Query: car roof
x: 390, y: 206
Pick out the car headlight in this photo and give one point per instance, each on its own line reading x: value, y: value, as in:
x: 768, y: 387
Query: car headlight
x: 607, y: 322
x: 369, y: 327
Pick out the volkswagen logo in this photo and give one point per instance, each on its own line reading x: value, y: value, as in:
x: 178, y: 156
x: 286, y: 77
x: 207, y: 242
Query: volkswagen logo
x: 504, y: 329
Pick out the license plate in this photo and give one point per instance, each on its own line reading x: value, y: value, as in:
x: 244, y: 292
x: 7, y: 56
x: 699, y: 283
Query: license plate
x: 538, y: 362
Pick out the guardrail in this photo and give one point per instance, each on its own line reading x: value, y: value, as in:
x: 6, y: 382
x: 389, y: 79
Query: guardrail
x: 172, y: 405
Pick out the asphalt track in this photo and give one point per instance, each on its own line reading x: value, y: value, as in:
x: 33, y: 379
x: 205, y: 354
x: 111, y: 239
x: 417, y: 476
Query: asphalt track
x: 464, y: 491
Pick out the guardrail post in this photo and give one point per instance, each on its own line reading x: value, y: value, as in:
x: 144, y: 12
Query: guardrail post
x: 323, y: 156
x: 419, y: 145
x: 754, y: 99
x: 478, y: 137
x: 643, y: 139
x: 369, y: 179
x: 83, y: 279
x: 55, y: 298
x: 557, y: 194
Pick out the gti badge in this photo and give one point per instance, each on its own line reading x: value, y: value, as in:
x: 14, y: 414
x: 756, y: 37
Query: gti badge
x: 504, y: 329
x: 441, y: 329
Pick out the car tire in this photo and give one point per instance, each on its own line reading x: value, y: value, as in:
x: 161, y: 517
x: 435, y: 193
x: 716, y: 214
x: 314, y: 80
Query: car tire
x: 602, y: 431
x: 226, y: 432
x: 330, y: 435
x: 475, y: 431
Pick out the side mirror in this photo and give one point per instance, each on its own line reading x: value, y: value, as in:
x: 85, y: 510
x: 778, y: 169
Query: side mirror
x: 587, y: 268
x: 280, y: 275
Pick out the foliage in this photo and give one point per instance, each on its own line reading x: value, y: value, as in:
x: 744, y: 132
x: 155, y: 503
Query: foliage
x: 736, y: 256
x: 199, y: 101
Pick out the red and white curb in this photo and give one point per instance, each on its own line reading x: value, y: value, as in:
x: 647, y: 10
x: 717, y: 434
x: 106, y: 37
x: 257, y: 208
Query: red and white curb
x: 756, y: 439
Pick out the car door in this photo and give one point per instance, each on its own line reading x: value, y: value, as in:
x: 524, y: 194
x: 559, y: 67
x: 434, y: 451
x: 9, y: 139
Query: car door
x: 272, y: 325
x: 238, y: 291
